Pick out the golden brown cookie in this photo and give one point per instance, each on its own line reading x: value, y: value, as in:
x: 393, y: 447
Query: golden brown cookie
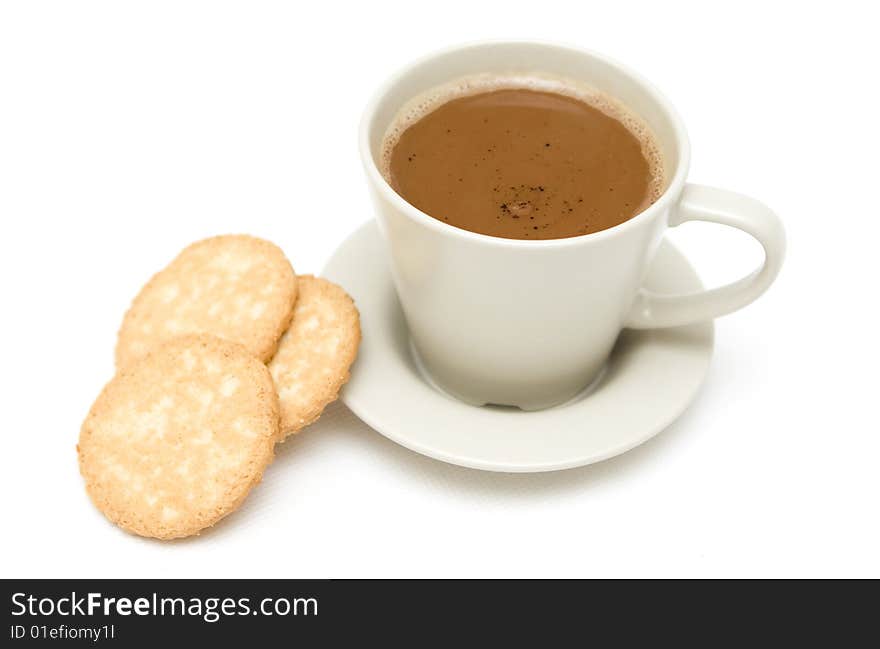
x: 237, y: 287
x: 178, y: 438
x: 314, y: 356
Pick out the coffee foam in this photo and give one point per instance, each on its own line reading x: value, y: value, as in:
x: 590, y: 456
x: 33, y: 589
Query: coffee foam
x: 418, y: 107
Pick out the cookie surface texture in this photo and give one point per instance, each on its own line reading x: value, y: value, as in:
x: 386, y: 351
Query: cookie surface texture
x: 314, y: 356
x: 236, y: 287
x: 177, y: 439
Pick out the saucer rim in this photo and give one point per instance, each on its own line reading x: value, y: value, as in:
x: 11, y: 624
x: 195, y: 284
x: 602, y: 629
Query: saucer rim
x: 363, y: 410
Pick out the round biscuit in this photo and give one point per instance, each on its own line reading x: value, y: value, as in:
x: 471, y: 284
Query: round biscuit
x: 178, y: 438
x: 236, y: 287
x: 314, y: 356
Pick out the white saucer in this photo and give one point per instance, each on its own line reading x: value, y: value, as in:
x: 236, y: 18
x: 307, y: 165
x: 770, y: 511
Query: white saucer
x: 651, y: 377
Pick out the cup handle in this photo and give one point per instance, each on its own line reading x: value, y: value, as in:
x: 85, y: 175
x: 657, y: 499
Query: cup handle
x: 700, y: 203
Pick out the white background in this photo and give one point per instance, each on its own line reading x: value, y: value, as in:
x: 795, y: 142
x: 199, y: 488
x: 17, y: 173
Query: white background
x: 128, y: 130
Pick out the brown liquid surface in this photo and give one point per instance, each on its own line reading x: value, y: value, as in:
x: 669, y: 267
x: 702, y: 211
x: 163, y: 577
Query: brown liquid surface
x: 522, y: 164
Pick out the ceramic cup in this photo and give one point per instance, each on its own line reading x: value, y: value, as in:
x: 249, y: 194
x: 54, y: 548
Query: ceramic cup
x: 531, y: 323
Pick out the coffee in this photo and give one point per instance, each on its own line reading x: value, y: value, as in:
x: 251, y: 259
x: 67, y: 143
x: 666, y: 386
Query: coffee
x: 523, y: 159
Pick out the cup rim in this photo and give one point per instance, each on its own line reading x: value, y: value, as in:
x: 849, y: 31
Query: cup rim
x: 673, y: 188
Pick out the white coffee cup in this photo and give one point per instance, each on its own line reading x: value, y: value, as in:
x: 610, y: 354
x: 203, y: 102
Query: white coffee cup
x: 531, y: 323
